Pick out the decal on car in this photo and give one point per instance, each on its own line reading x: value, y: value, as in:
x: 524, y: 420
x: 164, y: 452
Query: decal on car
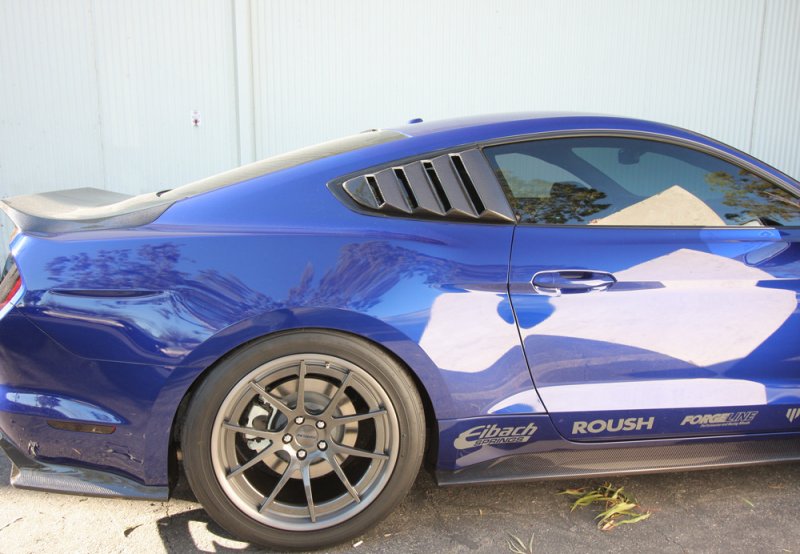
x: 792, y: 414
x: 612, y: 425
x: 725, y: 419
x: 483, y: 435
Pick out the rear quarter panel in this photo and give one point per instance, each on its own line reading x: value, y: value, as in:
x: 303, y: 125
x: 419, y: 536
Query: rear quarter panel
x: 149, y: 310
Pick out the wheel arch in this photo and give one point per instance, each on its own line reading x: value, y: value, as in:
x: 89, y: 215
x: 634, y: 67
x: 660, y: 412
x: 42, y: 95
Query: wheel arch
x: 390, y: 341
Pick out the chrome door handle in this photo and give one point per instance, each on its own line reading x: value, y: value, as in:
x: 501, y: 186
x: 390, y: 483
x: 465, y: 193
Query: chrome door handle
x: 571, y: 281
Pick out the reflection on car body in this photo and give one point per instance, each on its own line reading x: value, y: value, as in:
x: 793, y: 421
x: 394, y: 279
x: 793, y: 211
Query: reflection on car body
x: 524, y: 296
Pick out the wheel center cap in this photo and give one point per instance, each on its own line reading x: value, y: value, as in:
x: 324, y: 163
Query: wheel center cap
x: 306, y: 436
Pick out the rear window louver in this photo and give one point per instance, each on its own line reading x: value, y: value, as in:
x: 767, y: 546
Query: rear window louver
x: 452, y: 186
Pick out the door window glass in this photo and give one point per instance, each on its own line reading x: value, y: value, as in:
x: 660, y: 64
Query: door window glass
x: 625, y: 181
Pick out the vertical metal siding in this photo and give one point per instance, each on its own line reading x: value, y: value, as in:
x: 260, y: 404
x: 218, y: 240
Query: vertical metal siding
x: 776, y: 129
x: 157, y: 62
x: 323, y: 69
x: 48, y: 99
x: 100, y: 93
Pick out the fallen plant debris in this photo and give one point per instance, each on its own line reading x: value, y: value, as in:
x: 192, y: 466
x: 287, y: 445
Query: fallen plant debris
x: 619, y: 508
x: 516, y: 545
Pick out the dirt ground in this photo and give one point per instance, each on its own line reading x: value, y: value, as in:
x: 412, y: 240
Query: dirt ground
x: 732, y: 510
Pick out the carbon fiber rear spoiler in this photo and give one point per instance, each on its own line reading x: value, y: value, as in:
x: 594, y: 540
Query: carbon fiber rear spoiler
x: 82, y: 209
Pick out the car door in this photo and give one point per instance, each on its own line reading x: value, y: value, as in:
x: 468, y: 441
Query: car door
x: 655, y: 287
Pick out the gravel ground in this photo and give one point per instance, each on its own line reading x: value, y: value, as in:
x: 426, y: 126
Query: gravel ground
x: 733, y: 510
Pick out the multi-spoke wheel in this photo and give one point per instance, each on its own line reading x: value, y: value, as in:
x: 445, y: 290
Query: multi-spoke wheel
x: 288, y: 442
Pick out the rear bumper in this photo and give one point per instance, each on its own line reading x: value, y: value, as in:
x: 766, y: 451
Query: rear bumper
x: 56, y: 407
x: 31, y: 474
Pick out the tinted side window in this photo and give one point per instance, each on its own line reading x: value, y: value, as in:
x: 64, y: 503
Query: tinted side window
x: 625, y: 181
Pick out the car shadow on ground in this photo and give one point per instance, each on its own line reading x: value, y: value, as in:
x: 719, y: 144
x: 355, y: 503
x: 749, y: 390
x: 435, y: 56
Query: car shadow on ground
x: 481, y: 518
x: 177, y: 530
x: 726, y: 510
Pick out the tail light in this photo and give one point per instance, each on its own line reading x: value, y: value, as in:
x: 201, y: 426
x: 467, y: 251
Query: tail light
x: 10, y: 282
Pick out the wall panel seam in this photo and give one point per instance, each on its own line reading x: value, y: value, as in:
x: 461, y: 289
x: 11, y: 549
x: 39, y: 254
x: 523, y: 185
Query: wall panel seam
x: 759, y: 74
x: 95, y: 63
x: 244, y: 84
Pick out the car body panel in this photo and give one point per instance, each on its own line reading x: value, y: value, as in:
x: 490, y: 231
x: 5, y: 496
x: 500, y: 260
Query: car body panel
x: 700, y: 321
x: 124, y: 321
x: 550, y: 456
x: 141, y: 314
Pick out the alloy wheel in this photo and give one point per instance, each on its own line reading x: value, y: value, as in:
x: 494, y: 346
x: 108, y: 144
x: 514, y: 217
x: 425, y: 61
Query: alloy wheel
x: 304, y: 442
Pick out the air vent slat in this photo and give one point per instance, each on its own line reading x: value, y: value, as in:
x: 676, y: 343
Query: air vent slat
x: 456, y: 186
x: 436, y: 185
x: 392, y: 190
x: 359, y: 190
x: 469, y: 187
x: 495, y: 205
x: 400, y: 173
x: 460, y: 204
x: 423, y: 189
x: 373, y: 186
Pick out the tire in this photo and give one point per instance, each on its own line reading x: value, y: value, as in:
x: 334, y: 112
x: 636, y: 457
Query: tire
x: 300, y: 475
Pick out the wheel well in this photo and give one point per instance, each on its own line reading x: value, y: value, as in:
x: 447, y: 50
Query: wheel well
x: 432, y: 434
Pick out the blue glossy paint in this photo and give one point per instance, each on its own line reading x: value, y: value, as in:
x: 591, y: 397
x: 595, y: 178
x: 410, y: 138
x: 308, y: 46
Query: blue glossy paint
x: 698, y: 318
x: 54, y: 407
x: 454, y: 454
x: 122, y: 322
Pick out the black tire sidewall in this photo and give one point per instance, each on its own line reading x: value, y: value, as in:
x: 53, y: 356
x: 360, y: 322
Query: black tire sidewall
x: 205, y: 404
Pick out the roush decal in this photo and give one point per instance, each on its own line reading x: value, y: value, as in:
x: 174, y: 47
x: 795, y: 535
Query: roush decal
x: 692, y: 421
x: 483, y: 435
x: 612, y: 425
x: 725, y: 419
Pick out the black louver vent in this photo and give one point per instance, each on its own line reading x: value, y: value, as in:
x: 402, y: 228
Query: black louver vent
x: 453, y: 186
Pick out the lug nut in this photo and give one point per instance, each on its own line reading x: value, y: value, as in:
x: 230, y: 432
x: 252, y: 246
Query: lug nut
x: 322, y: 445
x: 287, y: 438
x: 320, y: 424
x: 299, y: 419
x: 301, y: 454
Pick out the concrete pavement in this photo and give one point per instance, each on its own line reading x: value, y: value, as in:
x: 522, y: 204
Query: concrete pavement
x: 732, y: 510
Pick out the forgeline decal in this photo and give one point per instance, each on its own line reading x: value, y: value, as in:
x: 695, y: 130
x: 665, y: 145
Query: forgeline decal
x: 483, y: 435
x: 612, y: 425
x: 792, y: 414
x: 727, y: 419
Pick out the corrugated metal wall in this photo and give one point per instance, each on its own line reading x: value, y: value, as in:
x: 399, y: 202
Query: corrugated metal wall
x: 101, y: 93
x: 775, y: 135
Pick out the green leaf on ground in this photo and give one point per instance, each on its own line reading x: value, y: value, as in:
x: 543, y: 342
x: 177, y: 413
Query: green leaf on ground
x: 618, y: 507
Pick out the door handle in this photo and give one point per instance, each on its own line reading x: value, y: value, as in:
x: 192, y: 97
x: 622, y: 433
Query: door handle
x: 571, y: 281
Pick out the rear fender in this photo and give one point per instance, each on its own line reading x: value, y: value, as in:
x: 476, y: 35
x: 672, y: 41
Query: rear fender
x: 204, y: 358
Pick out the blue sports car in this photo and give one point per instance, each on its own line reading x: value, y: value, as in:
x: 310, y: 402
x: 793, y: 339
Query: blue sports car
x: 504, y: 297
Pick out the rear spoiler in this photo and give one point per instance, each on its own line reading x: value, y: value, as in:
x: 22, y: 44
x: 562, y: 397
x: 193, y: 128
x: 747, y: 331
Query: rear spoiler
x: 82, y: 209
